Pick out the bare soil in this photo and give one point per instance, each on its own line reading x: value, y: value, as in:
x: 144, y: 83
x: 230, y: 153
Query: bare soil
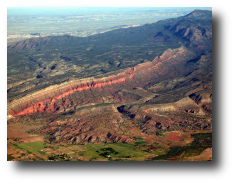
x: 173, y: 137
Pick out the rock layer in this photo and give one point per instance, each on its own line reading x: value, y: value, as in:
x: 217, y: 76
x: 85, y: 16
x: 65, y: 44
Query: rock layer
x: 53, y: 98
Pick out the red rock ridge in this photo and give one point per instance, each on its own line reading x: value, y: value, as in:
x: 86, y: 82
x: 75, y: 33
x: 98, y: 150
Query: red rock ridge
x: 145, y: 72
x: 60, y: 92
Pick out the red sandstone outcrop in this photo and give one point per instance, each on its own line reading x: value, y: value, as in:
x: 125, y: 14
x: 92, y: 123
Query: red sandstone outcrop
x: 52, y: 98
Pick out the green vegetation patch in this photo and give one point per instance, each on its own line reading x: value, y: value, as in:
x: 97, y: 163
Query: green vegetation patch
x: 112, y: 150
x: 31, y: 150
x: 127, y: 150
x: 23, y: 146
x: 9, y: 157
x: 201, y: 142
x: 159, y: 151
x: 36, y: 145
x: 140, y: 141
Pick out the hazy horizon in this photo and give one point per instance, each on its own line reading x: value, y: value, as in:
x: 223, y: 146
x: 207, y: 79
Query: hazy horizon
x: 73, y: 10
x: 77, y: 21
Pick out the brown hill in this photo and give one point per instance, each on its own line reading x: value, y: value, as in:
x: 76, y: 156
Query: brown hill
x: 200, y: 14
x: 28, y: 44
x: 194, y: 30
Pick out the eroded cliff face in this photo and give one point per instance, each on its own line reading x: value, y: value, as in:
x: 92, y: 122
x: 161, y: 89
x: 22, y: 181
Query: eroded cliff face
x: 99, y: 90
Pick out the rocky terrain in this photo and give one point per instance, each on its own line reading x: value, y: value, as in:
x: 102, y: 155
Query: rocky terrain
x: 101, y: 89
x: 72, y: 96
x: 116, y: 87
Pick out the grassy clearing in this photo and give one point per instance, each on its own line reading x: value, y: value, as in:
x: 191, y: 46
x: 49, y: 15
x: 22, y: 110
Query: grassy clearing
x: 23, y: 146
x: 92, y: 152
x: 140, y: 142
x: 127, y: 150
x: 34, y: 148
x: 112, y: 151
x: 36, y: 145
